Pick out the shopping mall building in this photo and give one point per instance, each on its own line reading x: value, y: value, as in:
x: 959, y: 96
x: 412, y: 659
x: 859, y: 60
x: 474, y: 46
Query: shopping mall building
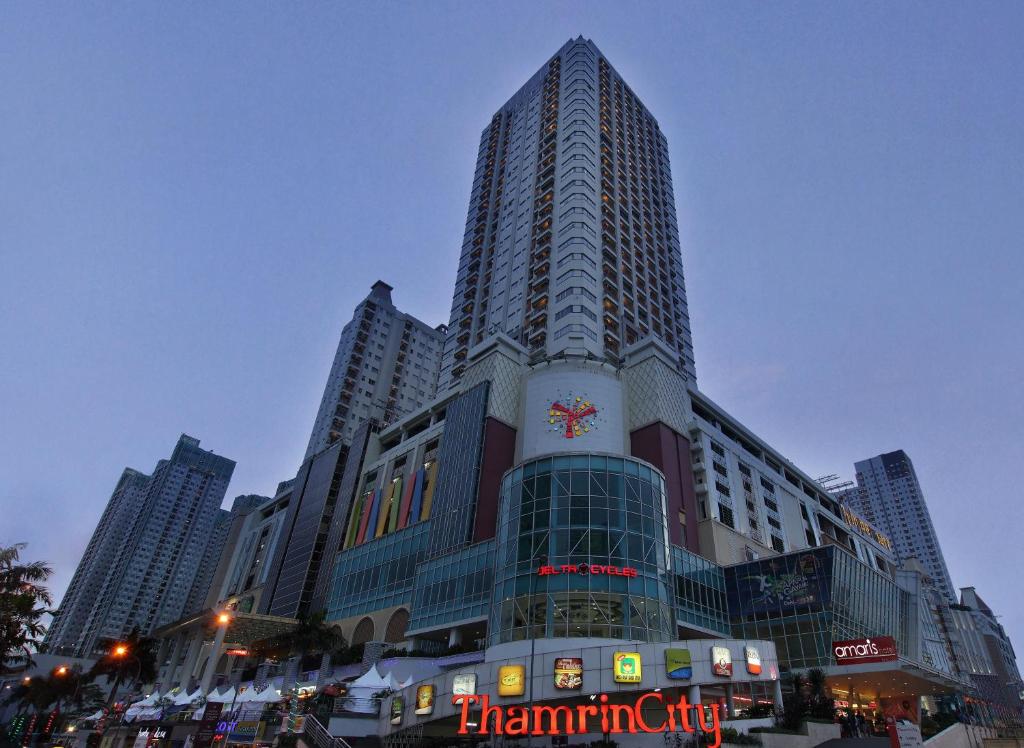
x: 571, y: 513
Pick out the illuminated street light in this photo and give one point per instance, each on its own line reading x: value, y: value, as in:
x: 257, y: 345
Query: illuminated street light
x: 223, y: 619
x: 62, y: 670
x: 120, y: 650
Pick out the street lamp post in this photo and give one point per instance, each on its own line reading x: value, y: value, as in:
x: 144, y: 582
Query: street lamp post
x: 533, y: 638
x: 223, y: 619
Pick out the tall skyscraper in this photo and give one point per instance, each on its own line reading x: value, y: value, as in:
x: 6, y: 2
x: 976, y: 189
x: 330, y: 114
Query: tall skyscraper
x: 889, y: 496
x: 571, y: 242
x: 386, y: 365
x: 142, y: 560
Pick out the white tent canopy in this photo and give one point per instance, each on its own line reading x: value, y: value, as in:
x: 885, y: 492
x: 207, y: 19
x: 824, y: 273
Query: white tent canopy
x: 224, y: 698
x: 268, y: 695
x: 371, y: 679
x: 148, y: 701
x: 185, y: 698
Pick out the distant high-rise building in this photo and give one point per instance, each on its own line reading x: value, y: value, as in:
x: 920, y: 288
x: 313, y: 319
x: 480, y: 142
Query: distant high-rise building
x: 218, y: 545
x: 571, y: 243
x: 142, y: 561
x: 888, y: 495
x: 386, y: 365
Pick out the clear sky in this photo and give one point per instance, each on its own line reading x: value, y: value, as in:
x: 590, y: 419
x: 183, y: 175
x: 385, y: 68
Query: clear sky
x: 194, y: 196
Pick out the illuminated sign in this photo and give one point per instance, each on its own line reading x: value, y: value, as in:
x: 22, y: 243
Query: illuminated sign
x: 568, y: 672
x: 626, y: 667
x: 572, y: 720
x: 464, y: 684
x: 856, y: 651
x: 237, y: 652
x: 865, y: 529
x: 425, y: 700
x: 678, y: 664
x: 572, y: 419
x: 721, y: 661
x: 753, y: 660
x: 397, y: 706
x: 511, y: 680
x: 584, y: 569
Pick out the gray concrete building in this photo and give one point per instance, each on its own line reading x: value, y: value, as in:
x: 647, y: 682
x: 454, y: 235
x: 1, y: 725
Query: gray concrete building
x: 889, y: 496
x: 146, y: 551
x: 386, y: 365
x: 571, y: 242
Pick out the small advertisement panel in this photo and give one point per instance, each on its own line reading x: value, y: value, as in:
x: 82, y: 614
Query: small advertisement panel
x: 626, y: 667
x: 511, y: 680
x: 464, y: 684
x: 397, y: 707
x: 425, y: 700
x: 678, y: 664
x: 721, y: 661
x: 568, y: 672
x: 753, y: 660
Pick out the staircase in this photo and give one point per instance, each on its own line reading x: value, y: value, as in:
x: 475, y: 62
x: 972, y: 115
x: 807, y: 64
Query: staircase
x: 318, y: 735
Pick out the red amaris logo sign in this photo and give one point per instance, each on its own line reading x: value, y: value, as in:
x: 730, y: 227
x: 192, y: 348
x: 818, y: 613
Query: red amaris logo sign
x: 603, y: 717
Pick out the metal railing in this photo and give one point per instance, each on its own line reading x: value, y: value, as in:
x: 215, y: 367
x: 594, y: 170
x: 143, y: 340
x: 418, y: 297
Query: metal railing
x: 319, y: 736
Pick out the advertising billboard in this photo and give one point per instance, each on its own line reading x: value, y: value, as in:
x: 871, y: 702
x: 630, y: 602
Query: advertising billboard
x: 678, y: 664
x: 425, y: 700
x: 397, y: 706
x: 626, y: 667
x: 568, y: 672
x: 780, y: 584
x: 511, y: 680
x: 721, y: 661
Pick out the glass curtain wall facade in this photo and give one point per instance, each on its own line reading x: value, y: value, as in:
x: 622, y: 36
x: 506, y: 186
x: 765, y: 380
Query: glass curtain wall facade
x: 582, y: 509
x: 805, y: 601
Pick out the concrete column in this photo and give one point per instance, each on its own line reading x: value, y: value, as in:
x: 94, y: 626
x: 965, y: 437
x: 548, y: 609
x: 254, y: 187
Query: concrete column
x: 777, y: 695
x: 211, y: 661
x: 195, y: 646
x: 728, y: 700
x: 454, y: 637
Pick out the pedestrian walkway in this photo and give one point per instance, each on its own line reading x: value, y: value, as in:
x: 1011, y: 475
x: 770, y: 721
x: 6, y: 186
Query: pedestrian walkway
x: 855, y: 743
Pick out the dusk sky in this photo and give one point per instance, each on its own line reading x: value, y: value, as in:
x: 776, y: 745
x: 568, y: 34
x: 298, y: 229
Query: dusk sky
x: 194, y: 196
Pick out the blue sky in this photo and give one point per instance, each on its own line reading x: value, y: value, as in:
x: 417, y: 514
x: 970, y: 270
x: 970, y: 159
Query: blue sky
x: 194, y: 196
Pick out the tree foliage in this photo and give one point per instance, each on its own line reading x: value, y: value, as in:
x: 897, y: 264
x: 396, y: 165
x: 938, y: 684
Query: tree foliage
x: 136, y: 665
x: 23, y: 603
x: 808, y: 698
x: 310, y: 636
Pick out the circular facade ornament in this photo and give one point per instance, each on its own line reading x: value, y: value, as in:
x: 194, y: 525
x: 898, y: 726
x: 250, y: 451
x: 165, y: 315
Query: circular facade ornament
x: 572, y: 416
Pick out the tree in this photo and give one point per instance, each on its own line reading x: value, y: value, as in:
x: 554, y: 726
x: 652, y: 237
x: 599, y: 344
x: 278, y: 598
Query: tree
x: 311, y: 636
x: 23, y: 603
x: 132, y: 659
x: 809, y: 698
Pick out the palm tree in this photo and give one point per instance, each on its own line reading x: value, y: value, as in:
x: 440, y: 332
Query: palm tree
x: 311, y: 636
x: 23, y: 603
x: 133, y: 658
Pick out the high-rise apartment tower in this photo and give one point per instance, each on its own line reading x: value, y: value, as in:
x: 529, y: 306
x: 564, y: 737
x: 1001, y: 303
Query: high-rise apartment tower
x: 386, y: 365
x: 889, y: 496
x: 142, y: 560
x: 571, y: 242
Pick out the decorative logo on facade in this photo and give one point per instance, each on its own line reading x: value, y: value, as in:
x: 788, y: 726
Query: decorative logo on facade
x: 753, y: 660
x: 425, y: 700
x: 626, y: 667
x: 464, y: 684
x: 511, y: 680
x: 678, y: 664
x: 572, y: 416
x: 721, y: 661
x: 568, y: 672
